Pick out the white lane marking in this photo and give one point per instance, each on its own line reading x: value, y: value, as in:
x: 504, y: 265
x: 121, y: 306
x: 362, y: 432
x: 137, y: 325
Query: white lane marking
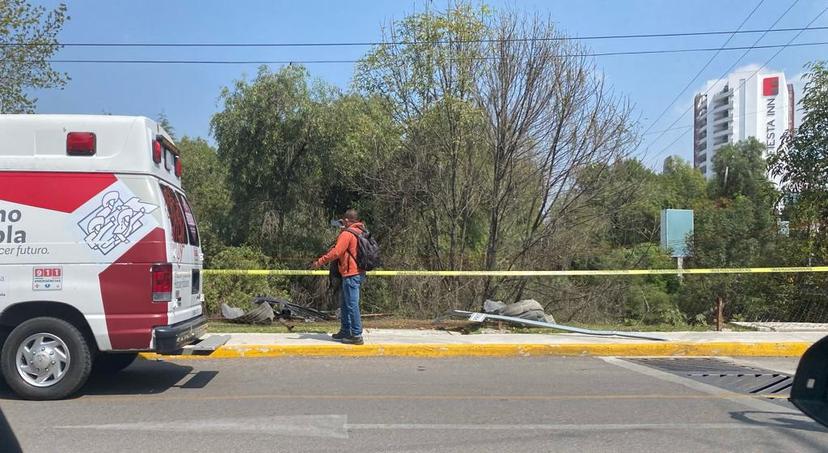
x: 332, y: 426
x: 535, y: 427
x: 754, y: 403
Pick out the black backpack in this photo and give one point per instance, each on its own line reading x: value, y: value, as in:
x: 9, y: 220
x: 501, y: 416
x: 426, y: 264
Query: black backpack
x: 368, y: 252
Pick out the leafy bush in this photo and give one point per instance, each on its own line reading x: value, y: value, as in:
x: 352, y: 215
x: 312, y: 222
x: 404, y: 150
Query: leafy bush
x: 651, y: 304
x: 239, y: 290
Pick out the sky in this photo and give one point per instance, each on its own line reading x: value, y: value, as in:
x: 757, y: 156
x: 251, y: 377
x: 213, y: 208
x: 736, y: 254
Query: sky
x: 188, y: 94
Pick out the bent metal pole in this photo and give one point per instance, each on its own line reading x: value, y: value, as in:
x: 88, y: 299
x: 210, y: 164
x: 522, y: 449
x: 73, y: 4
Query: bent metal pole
x: 480, y: 317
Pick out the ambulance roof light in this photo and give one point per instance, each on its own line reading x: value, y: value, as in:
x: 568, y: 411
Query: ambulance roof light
x: 80, y: 144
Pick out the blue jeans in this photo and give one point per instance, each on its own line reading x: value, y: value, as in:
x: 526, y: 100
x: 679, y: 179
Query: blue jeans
x: 349, y: 307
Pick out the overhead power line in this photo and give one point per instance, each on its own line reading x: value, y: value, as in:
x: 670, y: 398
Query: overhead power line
x: 755, y: 45
x: 743, y: 82
x: 681, y: 128
x: 700, y: 71
x: 376, y: 43
x: 667, y: 130
x: 335, y: 61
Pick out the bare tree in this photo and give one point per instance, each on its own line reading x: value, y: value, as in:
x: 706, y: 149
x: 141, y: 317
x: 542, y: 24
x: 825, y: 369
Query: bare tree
x: 550, y: 117
x: 506, y: 137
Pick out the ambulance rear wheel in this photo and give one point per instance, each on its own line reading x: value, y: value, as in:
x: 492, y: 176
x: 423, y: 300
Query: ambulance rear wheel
x: 112, y: 362
x: 45, y: 359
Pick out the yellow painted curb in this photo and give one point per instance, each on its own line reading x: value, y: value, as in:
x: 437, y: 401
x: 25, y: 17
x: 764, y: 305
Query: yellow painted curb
x: 672, y: 348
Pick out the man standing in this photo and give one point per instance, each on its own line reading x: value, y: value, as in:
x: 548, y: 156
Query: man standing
x: 345, y: 250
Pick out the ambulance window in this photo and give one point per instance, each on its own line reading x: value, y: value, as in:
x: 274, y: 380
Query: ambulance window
x: 190, y: 219
x: 179, y: 227
x: 169, y: 159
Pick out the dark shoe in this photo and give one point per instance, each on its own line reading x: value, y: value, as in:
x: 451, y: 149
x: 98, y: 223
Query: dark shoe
x: 353, y: 340
x: 339, y: 335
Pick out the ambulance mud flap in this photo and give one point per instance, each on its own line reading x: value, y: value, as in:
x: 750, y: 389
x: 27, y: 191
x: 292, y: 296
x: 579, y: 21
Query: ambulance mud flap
x: 810, y: 386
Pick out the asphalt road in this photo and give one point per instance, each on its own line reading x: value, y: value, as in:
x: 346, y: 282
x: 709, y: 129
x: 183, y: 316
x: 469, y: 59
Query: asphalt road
x: 396, y: 404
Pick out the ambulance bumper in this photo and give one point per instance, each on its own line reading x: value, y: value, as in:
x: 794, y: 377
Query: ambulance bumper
x: 171, y: 339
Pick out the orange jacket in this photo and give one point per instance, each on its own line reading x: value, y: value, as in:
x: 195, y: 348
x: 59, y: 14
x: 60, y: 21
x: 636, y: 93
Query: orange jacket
x: 345, y: 250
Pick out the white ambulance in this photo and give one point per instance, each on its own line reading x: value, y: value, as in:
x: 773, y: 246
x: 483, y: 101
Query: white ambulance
x: 99, y: 249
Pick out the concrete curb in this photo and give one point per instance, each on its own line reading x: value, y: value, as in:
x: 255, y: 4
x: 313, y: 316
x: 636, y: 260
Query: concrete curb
x: 423, y: 350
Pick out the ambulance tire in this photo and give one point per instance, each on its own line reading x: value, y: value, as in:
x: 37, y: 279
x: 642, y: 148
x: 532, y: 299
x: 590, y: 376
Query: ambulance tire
x: 77, y: 373
x: 112, y: 362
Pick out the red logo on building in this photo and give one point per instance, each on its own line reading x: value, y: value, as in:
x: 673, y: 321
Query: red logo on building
x: 770, y: 86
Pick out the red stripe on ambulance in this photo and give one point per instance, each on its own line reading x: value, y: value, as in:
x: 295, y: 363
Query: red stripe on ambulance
x: 126, y: 291
x: 98, y: 247
x: 56, y: 191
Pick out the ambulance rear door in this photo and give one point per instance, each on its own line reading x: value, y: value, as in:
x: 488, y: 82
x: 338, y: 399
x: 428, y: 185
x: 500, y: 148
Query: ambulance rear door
x: 183, y: 255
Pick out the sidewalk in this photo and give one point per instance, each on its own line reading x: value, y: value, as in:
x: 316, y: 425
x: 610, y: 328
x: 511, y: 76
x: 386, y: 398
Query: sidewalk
x: 434, y: 343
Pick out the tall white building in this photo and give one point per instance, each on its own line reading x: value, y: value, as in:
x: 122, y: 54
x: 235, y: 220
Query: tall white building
x: 741, y: 106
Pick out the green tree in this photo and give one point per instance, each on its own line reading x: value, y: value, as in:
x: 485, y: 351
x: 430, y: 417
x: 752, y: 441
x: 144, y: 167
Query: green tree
x: 28, y: 39
x: 268, y: 138
x: 630, y: 207
x: 801, y: 164
x: 736, y: 228
x: 361, y: 138
x: 741, y: 169
x: 680, y: 186
x: 429, y: 90
x: 205, y: 180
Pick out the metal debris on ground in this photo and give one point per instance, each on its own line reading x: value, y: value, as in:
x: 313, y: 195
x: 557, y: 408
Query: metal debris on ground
x: 482, y: 317
x: 267, y: 309
x: 258, y: 315
x: 290, y: 311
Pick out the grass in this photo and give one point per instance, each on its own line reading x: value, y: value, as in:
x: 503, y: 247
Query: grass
x: 400, y: 323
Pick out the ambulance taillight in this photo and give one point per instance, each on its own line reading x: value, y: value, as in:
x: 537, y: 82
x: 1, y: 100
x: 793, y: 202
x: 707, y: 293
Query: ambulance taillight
x: 157, y: 151
x: 162, y: 282
x: 80, y: 144
x: 178, y: 168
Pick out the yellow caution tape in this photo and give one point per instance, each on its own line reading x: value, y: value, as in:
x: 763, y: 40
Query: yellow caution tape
x: 570, y: 273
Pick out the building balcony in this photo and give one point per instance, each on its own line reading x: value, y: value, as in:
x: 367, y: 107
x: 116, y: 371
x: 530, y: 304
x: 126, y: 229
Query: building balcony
x: 721, y: 104
x: 720, y: 115
x: 723, y: 140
